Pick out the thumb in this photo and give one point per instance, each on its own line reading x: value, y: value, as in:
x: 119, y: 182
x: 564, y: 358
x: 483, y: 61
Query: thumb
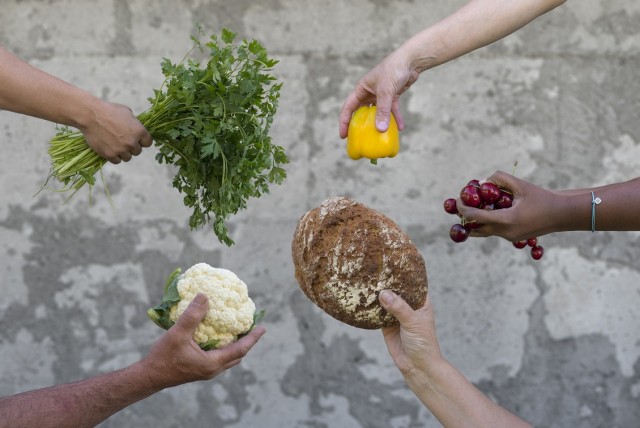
x: 396, y: 306
x: 194, y: 314
x: 504, y: 180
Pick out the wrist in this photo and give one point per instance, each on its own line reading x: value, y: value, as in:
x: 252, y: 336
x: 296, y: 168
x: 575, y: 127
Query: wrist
x: 417, y: 55
x: 427, y: 377
x: 150, y: 375
x: 85, y: 112
x: 573, y: 212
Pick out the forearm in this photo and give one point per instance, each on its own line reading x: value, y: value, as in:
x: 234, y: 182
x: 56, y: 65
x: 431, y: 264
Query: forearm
x: 27, y: 90
x: 80, y: 404
x: 477, y: 24
x: 455, y: 401
x: 620, y: 203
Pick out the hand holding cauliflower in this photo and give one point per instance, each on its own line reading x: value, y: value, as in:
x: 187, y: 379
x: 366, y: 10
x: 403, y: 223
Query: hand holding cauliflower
x: 231, y: 313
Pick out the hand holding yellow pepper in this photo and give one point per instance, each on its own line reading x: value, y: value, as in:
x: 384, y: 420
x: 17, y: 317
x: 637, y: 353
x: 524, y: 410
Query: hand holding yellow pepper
x: 364, y: 140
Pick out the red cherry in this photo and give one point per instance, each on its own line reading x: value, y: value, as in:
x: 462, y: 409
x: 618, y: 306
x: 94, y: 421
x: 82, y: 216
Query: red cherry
x: 520, y: 244
x: 505, y: 201
x: 458, y: 233
x: 475, y: 183
x: 537, y: 252
x: 490, y: 192
x: 470, y: 196
x: 532, y: 242
x: 450, y: 206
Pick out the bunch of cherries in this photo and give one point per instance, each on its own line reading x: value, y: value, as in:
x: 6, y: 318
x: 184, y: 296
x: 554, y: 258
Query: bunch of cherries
x: 486, y: 196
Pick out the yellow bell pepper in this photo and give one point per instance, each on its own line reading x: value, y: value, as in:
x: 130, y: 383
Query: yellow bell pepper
x: 364, y: 140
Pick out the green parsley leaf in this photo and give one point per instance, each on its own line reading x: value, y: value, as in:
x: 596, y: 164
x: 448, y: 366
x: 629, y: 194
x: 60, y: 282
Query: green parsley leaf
x: 210, y: 119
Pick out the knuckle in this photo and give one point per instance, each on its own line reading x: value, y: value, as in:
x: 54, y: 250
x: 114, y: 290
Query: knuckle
x: 188, y: 316
x: 243, y: 350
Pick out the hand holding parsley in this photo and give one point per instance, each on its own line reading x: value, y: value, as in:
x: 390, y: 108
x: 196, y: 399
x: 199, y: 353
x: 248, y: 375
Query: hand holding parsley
x: 210, y: 120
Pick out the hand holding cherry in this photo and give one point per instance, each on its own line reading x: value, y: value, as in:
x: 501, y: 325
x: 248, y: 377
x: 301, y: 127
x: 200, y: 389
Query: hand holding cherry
x: 486, y: 196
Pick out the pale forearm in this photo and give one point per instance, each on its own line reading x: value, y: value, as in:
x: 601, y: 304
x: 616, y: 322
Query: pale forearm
x: 27, y: 90
x: 455, y: 401
x: 80, y: 404
x: 477, y: 24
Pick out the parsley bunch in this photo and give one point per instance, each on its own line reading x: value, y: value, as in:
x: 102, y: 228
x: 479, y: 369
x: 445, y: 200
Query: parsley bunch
x: 210, y: 120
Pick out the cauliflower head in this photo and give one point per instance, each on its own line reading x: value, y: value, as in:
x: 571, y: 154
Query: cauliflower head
x: 231, y: 312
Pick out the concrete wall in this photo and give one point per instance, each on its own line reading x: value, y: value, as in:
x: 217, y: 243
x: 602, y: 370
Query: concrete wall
x: 556, y: 341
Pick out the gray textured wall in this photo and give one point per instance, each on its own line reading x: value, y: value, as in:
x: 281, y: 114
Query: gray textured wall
x: 556, y: 341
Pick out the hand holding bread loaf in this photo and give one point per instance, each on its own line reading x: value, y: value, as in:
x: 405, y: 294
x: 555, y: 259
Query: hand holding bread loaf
x: 345, y: 253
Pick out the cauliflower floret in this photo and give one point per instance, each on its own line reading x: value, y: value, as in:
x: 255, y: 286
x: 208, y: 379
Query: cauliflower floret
x: 231, y: 310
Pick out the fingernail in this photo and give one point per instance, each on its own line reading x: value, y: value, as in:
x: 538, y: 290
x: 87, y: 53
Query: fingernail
x: 386, y: 297
x: 381, y: 125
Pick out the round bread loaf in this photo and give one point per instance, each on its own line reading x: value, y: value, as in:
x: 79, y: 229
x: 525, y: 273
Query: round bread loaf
x: 345, y: 253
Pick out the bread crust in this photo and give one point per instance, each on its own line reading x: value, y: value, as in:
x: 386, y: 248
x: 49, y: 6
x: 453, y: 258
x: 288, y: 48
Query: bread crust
x: 345, y: 253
